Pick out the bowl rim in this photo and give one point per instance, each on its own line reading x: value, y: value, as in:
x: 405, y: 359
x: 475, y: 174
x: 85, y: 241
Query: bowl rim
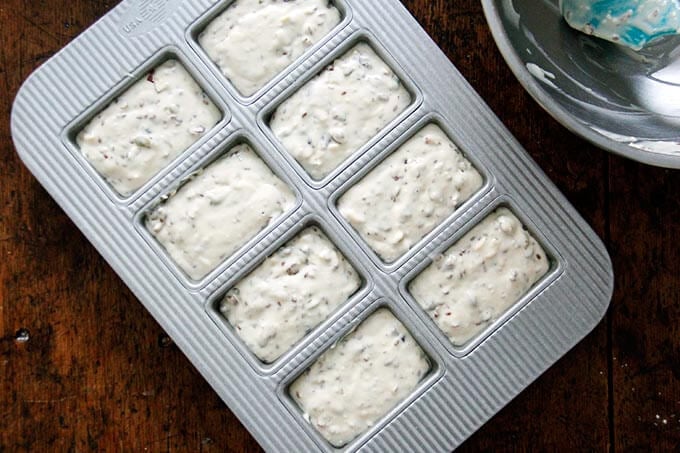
x: 552, y: 107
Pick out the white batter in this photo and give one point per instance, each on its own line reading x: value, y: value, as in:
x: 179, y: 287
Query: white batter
x: 147, y: 127
x: 410, y: 193
x: 474, y: 282
x: 290, y: 294
x: 219, y: 211
x: 362, y: 378
x: 254, y: 40
x: 339, y: 111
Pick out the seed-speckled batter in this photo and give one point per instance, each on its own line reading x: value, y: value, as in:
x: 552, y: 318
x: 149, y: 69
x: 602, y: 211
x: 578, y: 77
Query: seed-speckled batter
x: 339, y: 111
x: 147, y: 127
x: 358, y: 381
x: 254, y: 40
x: 290, y: 294
x: 478, y: 279
x: 410, y: 193
x: 219, y: 211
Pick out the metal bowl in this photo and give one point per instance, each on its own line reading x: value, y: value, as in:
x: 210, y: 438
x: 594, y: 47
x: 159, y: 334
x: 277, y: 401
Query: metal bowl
x: 623, y: 101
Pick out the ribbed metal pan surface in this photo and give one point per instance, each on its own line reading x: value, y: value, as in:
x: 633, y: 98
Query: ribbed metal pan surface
x: 466, y: 385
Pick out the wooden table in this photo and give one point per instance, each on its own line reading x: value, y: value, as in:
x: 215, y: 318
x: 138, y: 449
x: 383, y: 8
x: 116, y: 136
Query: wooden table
x: 84, y: 367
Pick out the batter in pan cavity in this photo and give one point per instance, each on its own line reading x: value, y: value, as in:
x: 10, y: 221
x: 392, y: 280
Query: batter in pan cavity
x: 410, y: 193
x: 219, y: 211
x: 289, y: 294
x: 339, y: 111
x: 147, y: 127
x: 361, y: 379
x: 254, y: 40
x: 482, y: 276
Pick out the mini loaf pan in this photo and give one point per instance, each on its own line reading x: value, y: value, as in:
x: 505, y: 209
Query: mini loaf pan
x: 466, y: 386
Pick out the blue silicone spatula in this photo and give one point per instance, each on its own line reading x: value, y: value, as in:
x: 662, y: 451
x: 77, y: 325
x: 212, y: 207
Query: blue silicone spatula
x: 633, y: 23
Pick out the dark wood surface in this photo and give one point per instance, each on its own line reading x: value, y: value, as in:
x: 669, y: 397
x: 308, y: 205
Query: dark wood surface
x: 83, y: 367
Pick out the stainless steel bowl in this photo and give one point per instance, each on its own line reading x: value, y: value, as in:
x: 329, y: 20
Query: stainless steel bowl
x: 623, y: 101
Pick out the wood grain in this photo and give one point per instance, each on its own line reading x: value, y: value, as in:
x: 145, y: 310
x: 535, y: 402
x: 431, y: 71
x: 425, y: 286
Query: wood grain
x: 83, y: 367
x: 645, y: 318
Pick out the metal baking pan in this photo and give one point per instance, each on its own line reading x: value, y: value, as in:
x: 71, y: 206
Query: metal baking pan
x: 466, y: 385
